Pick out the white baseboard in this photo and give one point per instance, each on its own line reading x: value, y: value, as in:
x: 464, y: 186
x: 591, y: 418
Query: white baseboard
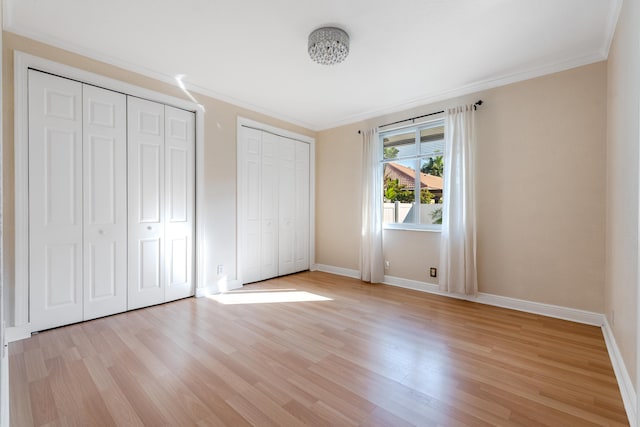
x: 627, y: 389
x: 223, y: 285
x: 549, y: 310
x: 17, y: 333
x: 347, y: 272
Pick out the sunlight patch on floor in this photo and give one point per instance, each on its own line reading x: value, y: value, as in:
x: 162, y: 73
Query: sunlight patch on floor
x: 265, y: 296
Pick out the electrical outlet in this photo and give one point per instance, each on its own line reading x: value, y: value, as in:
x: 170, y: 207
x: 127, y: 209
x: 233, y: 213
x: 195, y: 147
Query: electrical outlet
x: 220, y: 269
x: 433, y: 272
x: 387, y: 265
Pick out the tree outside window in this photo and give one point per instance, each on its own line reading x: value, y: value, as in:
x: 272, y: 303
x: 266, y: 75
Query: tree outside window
x: 412, y: 159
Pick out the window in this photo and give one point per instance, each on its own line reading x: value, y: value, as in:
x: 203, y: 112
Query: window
x: 412, y: 158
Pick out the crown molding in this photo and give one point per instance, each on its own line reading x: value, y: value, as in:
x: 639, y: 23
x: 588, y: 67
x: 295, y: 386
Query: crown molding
x: 505, y: 79
x: 147, y: 72
x: 479, y: 86
x: 612, y: 23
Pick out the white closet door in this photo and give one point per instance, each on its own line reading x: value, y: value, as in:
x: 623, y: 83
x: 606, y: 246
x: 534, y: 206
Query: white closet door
x: 269, y: 207
x: 105, y: 202
x: 259, y: 216
x: 250, y: 216
x: 287, y: 204
x: 179, y: 201
x: 146, y: 202
x: 302, y: 213
x: 55, y: 201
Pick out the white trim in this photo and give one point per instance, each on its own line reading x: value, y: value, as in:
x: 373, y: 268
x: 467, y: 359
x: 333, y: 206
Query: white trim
x: 390, y: 109
x: 144, y: 71
x: 549, y: 310
x: 222, y: 286
x: 347, y: 272
x: 17, y: 333
x: 200, y: 214
x: 21, y: 193
x: 416, y: 286
x: 4, y: 348
x: 203, y: 292
x: 622, y: 375
x: 465, y: 90
x: 612, y: 23
x: 243, y: 121
x: 22, y: 62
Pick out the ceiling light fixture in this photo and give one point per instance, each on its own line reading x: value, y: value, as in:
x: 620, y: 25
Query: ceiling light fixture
x: 328, y: 45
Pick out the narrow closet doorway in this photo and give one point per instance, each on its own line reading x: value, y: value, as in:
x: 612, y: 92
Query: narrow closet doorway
x: 275, y: 202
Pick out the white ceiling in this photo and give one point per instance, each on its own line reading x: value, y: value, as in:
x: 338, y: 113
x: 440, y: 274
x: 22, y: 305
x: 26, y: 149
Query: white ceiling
x: 252, y: 53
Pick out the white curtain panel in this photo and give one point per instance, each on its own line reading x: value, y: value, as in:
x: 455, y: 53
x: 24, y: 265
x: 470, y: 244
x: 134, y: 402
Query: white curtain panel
x: 458, y: 239
x: 371, y: 262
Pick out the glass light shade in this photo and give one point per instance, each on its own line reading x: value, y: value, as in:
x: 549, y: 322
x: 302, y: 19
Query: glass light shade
x: 328, y: 45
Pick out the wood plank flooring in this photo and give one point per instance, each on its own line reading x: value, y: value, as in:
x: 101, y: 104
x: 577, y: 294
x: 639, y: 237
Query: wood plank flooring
x: 369, y: 355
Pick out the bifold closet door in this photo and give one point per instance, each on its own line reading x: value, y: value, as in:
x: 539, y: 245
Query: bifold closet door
x: 293, y: 240
x: 161, y: 164
x: 179, y: 202
x: 259, y: 200
x: 146, y: 202
x: 274, y: 190
x: 77, y: 201
x: 105, y: 202
x: 286, y: 206
x: 55, y: 201
x: 302, y: 210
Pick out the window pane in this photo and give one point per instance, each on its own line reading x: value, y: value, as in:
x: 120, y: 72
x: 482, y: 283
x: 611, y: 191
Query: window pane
x: 431, y: 185
x: 398, y: 192
x: 400, y: 145
x: 432, y: 141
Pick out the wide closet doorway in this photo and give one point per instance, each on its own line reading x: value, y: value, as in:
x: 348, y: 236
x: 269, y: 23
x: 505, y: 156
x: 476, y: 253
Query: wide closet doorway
x: 275, y: 215
x: 110, y: 201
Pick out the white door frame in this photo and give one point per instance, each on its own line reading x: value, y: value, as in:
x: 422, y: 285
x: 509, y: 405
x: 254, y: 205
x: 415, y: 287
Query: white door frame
x: 22, y: 63
x: 242, y: 121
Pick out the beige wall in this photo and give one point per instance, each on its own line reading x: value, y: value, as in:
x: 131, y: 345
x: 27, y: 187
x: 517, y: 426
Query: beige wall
x: 621, y: 285
x: 220, y: 154
x: 338, y: 184
x: 541, y: 191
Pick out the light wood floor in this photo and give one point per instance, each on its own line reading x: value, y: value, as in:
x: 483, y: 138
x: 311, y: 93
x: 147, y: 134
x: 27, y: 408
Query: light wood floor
x: 371, y: 355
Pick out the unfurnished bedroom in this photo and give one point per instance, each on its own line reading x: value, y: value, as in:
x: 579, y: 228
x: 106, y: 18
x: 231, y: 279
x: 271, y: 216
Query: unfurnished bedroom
x: 281, y: 213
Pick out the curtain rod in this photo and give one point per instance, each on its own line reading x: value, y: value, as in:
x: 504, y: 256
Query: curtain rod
x: 475, y: 107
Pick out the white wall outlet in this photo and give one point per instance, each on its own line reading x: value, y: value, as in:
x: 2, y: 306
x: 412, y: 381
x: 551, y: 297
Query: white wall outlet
x: 220, y: 269
x: 387, y: 265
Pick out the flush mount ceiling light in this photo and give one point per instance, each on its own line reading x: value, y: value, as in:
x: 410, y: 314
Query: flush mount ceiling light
x: 328, y: 45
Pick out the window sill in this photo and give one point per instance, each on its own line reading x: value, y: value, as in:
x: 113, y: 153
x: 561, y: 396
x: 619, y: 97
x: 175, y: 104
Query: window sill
x: 415, y: 227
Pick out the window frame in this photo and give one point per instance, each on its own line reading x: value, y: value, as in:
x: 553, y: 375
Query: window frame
x: 417, y: 157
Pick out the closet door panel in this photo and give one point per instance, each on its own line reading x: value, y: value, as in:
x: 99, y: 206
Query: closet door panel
x: 268, y: 197
x: 105, y: 202
x: 55, y: 201
x: 286, y: 197
x: 301, y: 238
x: 179, y: 202
x: 145, y: 203
x: 250, y: 216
